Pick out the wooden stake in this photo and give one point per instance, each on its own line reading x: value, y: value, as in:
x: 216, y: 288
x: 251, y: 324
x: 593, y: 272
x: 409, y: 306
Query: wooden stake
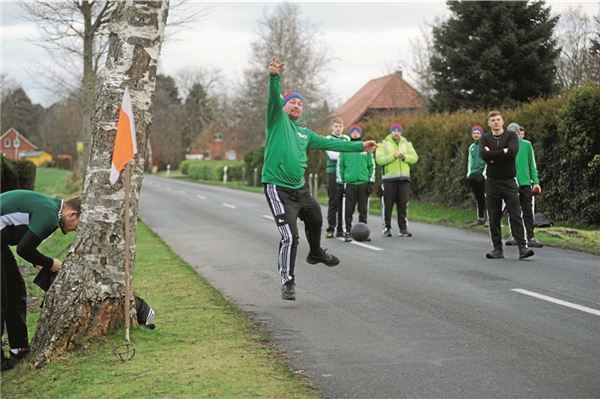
x: 127, y: 184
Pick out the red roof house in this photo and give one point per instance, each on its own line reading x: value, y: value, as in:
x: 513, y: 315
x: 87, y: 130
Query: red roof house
x: 388, y: 94
x: 13, y: 144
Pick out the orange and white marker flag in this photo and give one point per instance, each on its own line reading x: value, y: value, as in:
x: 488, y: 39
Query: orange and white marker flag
x: 125, y: 140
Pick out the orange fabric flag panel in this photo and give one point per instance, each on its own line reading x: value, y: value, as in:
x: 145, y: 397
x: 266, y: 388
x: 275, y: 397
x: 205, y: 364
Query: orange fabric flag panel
x: 125, y: 140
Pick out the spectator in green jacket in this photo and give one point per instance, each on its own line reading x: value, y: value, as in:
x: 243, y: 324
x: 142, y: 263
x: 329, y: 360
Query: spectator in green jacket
x: 356, y: 171
x: 529, y: 183
x: 335, y: 191
x: 395, y: 155
x: 287, y: 193
x: 475, y: 175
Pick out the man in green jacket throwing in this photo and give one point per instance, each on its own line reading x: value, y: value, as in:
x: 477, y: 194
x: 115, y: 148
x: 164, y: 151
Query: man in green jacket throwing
x: 395, y: 154
x: 287, y: 193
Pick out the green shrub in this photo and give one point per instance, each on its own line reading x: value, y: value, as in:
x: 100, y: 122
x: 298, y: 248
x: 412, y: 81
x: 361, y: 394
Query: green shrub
x: 213, y: 170
x: 254, y: 160
x: 26, y: 171
x: 10, y: 177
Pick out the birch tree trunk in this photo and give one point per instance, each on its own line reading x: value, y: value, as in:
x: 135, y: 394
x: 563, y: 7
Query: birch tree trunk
x: 87, y: 298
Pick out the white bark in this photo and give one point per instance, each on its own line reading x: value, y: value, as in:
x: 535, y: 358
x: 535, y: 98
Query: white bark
x: 87, y: 298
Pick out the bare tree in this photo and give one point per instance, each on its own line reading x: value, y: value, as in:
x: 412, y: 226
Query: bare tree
x: 87, y: 298
x: 574, y: 34
x: 422, y: 49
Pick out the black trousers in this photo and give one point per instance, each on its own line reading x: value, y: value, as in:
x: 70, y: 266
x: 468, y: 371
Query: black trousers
x: 287, y: 205
x: 13, y: 292
x: 355, y: 194
x: 395, y: 192
x: 335, y: 192
x: 477, y: 183
x: 496, y: 191
x: 525, y: 199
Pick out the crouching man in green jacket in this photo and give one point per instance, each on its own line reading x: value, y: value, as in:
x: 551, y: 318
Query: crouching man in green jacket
x: 395, y: 155
x: 287, y: 193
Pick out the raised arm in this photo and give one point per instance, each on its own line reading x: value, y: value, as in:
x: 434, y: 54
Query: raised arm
x: 274, y: 104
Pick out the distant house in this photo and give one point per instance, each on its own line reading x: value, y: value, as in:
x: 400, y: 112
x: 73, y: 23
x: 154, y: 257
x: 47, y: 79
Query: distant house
x: 219, y: 144
x: 13, y: 144
x: 389, y: 94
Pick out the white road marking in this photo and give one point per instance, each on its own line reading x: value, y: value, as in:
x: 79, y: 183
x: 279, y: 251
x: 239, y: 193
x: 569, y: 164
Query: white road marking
x: 229, y: 205
x: 557, y: 301
x: 201, y: 196
x: 268, y: 217
x: 360, y: 244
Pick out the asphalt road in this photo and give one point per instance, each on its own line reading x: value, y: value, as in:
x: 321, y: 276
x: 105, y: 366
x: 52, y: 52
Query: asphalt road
x: 420, y: 317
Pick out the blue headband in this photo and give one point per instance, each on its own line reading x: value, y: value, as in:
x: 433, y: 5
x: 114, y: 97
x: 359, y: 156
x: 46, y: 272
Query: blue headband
x: 292, y: 94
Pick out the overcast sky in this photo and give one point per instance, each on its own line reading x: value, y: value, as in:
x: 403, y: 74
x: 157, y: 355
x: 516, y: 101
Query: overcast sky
x: 366, y: 40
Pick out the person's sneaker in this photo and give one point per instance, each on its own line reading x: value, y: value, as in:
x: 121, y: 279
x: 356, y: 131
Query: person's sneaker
x: 288, y: 291
x: 511, y: 242
x: 387, y: 233
x: 478, y: 222
x: 17, y: 357
x: 525, y: 253
x: 339, y: 234
x: 329, y: 234
x: 495, y: 254
x: 348, y: 237
x: 323, y: 257
x: 405, y: 233
x: 534, y: 243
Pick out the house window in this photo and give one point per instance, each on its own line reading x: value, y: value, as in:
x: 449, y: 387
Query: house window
x: 6, y: 143
x: 17, y: 142
x: 218, y: 137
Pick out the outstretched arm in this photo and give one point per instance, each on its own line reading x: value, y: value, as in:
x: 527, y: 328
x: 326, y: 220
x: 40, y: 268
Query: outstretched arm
x: 274, y: 106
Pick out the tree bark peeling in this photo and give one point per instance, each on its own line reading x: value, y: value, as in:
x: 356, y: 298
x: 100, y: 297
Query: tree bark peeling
x: 86, y: 300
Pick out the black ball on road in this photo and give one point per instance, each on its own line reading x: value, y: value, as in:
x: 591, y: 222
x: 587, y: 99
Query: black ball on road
x: 360, y: 232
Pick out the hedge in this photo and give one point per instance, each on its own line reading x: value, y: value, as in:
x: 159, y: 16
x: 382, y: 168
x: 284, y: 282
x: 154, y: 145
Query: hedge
x: 17, y: 174
x: 213, y: 170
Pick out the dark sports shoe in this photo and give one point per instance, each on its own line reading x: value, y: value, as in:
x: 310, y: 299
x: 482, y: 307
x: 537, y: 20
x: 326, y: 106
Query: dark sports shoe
x: 387, y: 233
x: 405, y: 233
x: 348, y: 237
x: 288, y: 291
x: 323, y: 257
x: 329, y: 234
x: 15, y: 358
x: 534, y: 243
x: 525, y: 253
x: 511, y: 242
x: 495, y: 254
x: 339, y: 234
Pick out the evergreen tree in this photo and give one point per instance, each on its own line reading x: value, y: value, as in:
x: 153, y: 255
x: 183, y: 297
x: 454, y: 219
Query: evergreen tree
x: 199, y: 113
x: 19, y: 112
x: 489, y: 54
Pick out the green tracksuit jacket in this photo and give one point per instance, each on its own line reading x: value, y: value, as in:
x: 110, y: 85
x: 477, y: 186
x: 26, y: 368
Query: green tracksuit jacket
x: 527, y: 173
x: 356, y: 168
x: 286, y: 143
x: 333, y: 156
x: 476, y: 164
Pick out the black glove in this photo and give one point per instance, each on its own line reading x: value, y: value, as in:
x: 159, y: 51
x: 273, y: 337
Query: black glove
x: 370, y: 187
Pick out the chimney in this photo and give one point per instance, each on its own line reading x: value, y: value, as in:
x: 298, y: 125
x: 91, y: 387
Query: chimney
x: 399, y: 73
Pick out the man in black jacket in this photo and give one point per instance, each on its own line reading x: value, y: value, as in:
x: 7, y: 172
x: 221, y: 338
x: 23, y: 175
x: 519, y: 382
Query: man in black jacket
x: 499, y: 149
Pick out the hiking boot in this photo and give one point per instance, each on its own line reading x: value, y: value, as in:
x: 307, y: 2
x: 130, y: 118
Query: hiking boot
x: 323, y: 257
x: 495, y: 254
x: 387, y: 233
x: 511, y: 242
x: 534, y: 243
x: 339, y: 234
x: 329, y: 234
x: 348, y: 237
x: 525, y: 253
x: 288, y: 291
x: 405, y: 233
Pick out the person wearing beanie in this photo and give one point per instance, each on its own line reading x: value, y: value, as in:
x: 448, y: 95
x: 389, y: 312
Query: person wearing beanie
x: 499, y: 150
x: 476, y: 175
x: 529, y: 183
x: 356, y: 171
x: 286, y: 191
x: 335, y: 190
x: 395, y: 155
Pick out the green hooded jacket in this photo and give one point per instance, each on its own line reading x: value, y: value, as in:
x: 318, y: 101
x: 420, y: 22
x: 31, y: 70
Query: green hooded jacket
x: 527, y: 173
x: 395, y: 168
x: 356, y: 168
x: 476, y: 164
x: 286, y: 143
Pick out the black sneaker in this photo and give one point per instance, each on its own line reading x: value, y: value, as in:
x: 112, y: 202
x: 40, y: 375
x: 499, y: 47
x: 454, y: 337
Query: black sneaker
x: 387, y: 233
x: 525, y: 253
x: 15, y: 358
x: 495, y: 254
x: 534, y: 243
x: 288, y: 291
x: 348, y: 237
x: 405, y: 233
x: 323, y: 257
x: 339, y: 234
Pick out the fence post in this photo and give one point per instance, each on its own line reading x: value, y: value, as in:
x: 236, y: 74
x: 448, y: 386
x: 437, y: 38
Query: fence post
x: 310, y: 183
x: 168, y: 170
x: 244, y: 174
x: 316, y: 186
x: 255, y: 177
x: 225, y: 174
